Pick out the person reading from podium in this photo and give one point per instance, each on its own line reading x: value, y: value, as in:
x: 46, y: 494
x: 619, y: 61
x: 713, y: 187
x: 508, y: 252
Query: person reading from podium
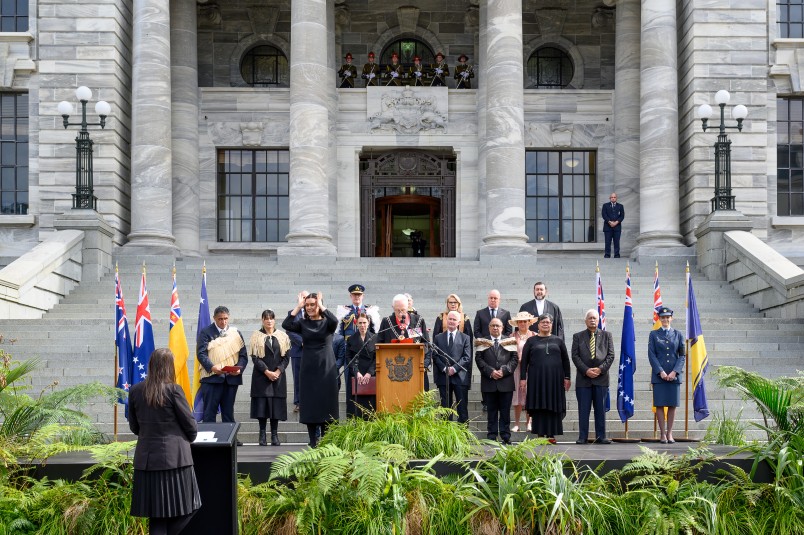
x: 164, y: 487
x: 223, y: 357
x: 318, y: 373
x: 453, y: 366
x: 361, y: 357
x: 269, y: 388
x: 405, y: 327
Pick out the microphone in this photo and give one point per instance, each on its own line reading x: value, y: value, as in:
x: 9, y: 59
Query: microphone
x: 403, y: 321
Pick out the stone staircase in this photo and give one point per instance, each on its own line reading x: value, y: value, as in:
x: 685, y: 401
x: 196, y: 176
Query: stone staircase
x: 76, y: 339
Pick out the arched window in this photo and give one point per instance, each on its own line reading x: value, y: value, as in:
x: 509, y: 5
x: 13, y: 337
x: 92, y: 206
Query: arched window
x: 549, y: 68
x: 265, y: 66
x: 407, y: 48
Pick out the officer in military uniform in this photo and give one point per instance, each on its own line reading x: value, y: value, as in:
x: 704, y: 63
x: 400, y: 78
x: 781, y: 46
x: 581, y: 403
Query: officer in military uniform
x: 347, y: 72
x: 440, y: 71
x: 666, y: 356
x: 417, y: 72
x: 347, y: 326
x: 371, y: 72
x: 463, y: 73
x: 394, y: 71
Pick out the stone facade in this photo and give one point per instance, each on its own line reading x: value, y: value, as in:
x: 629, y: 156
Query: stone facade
x: 171, y: 72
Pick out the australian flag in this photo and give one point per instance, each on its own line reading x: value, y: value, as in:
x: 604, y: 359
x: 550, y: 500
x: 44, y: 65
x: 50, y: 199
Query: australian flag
x: 143, y: 336
x: 122, y: 340
x: 627, y: 368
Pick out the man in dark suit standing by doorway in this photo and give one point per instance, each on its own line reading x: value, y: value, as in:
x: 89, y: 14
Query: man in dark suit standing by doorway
x: 452, y: 366
x: 540, y: 305
x: 613, y: 215
x: 496, y: 359
x: 592, y: 354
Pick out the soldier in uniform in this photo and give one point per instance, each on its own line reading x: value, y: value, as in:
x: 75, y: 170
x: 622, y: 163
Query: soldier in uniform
x: 463, y: 73
x: 393, y: 72
x: 440, y: 71
x: 347, y: 72
x: 347, y: 326
x: 666, y: 356
x: 417, y: 73
x: 371, y: 71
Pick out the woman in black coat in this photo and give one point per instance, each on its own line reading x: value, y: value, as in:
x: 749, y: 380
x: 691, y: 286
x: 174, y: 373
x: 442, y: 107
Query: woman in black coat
x: 164, y: 488
x: 362, y: 358
x: 318, y: 373
x: 269, y: 389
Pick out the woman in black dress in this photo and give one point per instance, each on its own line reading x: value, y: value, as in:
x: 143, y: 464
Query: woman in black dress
x: 164, y: 488
x: 361, y: 354
x: 545, y: 372
x: 465, y: 325
x: 269, y: 390
x: 318, y: 374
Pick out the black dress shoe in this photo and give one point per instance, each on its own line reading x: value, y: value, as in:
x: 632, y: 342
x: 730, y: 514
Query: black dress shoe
x: 262, y: 441
x: 275, y: 439
x: 616, y: 256
x: 579, y: 441
x: 606, y: 256
x: 506, y: 442
x: 603, y: 441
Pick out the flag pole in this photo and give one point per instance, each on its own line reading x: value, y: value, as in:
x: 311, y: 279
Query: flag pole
x: 116, y: 403
x: 687, y: 356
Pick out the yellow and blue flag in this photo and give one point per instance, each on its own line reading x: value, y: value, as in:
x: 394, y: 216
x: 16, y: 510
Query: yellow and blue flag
x: 698, y: 361
x: 177, y: 343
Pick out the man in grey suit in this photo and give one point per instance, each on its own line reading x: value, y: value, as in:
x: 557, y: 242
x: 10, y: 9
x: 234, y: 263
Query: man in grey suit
x: 452, y: 370
x: 540, y: 305
x: 592, y: 354
x: 497, y: 359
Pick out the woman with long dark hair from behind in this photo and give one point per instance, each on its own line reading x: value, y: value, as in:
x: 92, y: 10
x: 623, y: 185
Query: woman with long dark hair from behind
x: 164, y: 489
x: 269, y: 390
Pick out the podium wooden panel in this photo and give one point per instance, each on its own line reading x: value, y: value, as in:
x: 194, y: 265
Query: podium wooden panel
x: 400, y: 375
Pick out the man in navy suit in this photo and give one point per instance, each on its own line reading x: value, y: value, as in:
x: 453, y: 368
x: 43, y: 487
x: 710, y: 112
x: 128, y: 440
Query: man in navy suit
x: 452, y: 366
x: 221, y: 345
x: 613, y: 215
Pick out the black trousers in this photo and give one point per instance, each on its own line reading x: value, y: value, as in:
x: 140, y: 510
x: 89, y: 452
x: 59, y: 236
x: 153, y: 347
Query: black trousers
x: 218, y: 394
x: 613, y: 234
x: 452, y: 393
x: 295, y: 364
x: 499, y: 415
x: 588, y: 397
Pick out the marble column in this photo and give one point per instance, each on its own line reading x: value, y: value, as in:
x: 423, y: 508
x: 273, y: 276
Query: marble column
x: 309, y: 131
x: 626, y: 119
x: 482, y: 87
x: 505, y: 125
x: 184, y: 89
x: 151, y: 162
x: 658, y: 129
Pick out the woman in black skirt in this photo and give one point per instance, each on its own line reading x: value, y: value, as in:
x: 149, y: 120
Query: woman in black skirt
x: 545, y: 372
x: 361, y: 356
x: 269, y: 390
x: 165, y: 489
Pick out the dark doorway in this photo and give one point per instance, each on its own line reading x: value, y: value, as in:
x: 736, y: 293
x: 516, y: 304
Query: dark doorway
x: 407, y: 197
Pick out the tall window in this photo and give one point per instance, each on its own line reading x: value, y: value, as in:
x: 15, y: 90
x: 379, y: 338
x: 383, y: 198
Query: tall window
x: 13, y: 153
x: 560, y: 196
x: 253, y: 195
x: 407, y: 48
x: 265, y: 66
x: 790, y: 156
x: 790, y: 15
x: 549, y: 68
x: 13, y: 15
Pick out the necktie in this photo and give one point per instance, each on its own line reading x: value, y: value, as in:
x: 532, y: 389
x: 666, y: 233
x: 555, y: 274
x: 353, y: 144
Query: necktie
x: 449, y: 342
x: 592, y: 345
x: 493, y: 313
x: 496, y: 344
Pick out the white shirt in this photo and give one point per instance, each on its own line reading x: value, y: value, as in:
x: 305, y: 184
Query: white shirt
x: 540, y: 306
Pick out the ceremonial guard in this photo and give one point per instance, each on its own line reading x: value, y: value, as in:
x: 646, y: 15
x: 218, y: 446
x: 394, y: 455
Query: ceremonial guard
x: 370, y: 71
x: 440, y: 71
x: 417, y: 73
x: 347, y: 326
x: 463, y: 73
x: 394, y: 71
x: 347, y: 72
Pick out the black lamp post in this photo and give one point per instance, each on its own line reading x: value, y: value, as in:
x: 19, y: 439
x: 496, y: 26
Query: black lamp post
x: 84, y: 196
x: 723, y: 199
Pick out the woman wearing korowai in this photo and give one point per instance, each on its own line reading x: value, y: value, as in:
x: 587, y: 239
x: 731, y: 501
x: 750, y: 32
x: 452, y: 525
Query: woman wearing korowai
x: 269, y: 388
x: 318, y: 373
x: 362, y: 359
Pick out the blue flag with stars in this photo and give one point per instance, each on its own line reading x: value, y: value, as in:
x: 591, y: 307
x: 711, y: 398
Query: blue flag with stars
x: 203, y: 321
x: 627, y: 368
x: 122, y: 341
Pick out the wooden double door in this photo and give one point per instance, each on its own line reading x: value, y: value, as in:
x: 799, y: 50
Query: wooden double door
x: 407, y: 196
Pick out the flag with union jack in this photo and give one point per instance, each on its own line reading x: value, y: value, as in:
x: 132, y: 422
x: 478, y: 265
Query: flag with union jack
x: 627, y: 368
x: 657, y: 299
x: 177, y: 343
x: 122, y: 339
x: 601, y: 302
x: 143, y: 335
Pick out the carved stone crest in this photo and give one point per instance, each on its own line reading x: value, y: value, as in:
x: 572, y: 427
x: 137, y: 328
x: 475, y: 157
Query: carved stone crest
x: 408, y: 111
x: 399, y: 370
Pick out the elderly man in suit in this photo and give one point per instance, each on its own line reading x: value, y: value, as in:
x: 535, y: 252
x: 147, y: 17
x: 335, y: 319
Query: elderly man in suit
x: 592, y: 354
x: 223, y: 357
x: 481, y: 325
x: 540, y: 305
x: 497, y: 359
x: 452, y: 369
x: 405, y: 325
x: 613, y: 215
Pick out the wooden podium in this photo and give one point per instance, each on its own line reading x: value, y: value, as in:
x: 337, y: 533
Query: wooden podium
x: 400, y: 375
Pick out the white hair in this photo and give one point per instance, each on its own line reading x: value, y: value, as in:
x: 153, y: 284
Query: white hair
x: 399, y: 298
x: 591, y: 311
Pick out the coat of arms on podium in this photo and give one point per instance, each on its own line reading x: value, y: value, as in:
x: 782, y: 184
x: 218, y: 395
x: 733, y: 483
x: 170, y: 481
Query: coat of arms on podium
x: 399, y: 370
